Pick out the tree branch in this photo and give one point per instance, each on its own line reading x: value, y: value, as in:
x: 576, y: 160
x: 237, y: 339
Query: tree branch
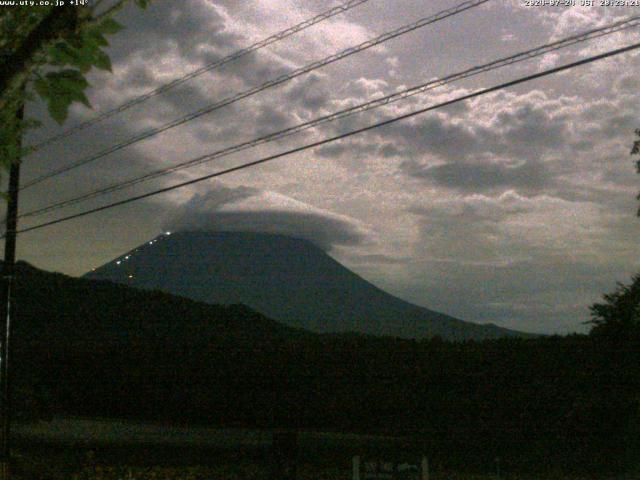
x: 109, y: 11
x: 57, y: 23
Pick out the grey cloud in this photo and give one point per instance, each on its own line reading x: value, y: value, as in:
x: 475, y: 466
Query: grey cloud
x: 187, y: 98
x: 325, y: 232
x: 520, y: 148
x: 436, y: 135
x: 468, y: 211
x: 618, y: 124
x: 270, y: 119
x: 367, y: 87
x: 628, y: 84
x: 98, y: 173
x: 311, y: 93
x: 377, y: 259
x: 217, y: 197
x: 524, y: 131
x: 241, y: 122
x: 190, y: 26
x: 255, y: 68
x: 196, y: 33
x: 462, y: 234
x: 138, y: 74
x: 204, y: 213
x: 542, y: 295
x: 390, y: 150
x: 335, y: 150
x: 469, y: 177
x: 504, y: 278
x: 583, y: 145
x: 529, y: 126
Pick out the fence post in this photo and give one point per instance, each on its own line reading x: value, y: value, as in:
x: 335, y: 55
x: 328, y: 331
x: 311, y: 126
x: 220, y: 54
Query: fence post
x: 356, y: 467
x: 425, y: 468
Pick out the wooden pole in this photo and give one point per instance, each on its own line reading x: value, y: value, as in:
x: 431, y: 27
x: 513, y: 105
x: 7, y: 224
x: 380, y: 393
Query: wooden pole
x: 8, y: 307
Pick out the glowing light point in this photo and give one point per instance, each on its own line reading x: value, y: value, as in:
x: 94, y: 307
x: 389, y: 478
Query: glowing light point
x: 167, y: 233
x: 127, y: 257
x: 118, y: 262
x: 130, y: 276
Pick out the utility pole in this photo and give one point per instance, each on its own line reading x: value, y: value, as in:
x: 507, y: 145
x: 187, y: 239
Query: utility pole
x: 8, y: 307
x: 54, y: 24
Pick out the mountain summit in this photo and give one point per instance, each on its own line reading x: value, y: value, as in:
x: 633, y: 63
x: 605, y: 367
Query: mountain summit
x: 285, y: 278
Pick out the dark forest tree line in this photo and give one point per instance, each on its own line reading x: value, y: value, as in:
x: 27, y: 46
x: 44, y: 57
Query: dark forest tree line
x: 100, y: 349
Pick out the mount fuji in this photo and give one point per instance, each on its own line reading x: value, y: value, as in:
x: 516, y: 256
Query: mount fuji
x: 288, y: 279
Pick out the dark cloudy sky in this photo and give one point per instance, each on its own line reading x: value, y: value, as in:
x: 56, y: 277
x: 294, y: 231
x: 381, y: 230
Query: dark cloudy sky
x: 515, y: 208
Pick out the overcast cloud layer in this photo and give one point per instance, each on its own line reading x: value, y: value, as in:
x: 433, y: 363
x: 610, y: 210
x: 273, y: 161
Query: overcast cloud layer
x: 244, y: 209
x: 515, y: 208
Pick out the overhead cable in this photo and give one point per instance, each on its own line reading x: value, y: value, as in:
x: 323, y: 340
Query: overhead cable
x: 363, y: 107
x: 269, y: 84
x: 332, y: 12
x: 319, y: 143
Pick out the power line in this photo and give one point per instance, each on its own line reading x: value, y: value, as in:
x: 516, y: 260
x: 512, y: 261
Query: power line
x: 363, y: 107
x: 270, y: 84
x: 332, y: 12
x: 244, y: 166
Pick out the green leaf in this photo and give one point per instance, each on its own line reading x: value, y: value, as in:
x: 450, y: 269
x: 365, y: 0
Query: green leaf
x: 42, y: 87
x: 60, y: 90
x: 69, y: 80
x: 78, y: 51
x: 75, y: 41
x: 109, y: 26
x: 86, y: 57
x: 95, y: 36
x: 59, y: 108
x: 82, y: 98
x: 102, y: 61
x: 142, y: 3
x: 63, y: 54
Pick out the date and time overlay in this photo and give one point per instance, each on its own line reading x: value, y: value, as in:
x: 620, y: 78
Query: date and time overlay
x: 581, y: 3
x: 525, y: 3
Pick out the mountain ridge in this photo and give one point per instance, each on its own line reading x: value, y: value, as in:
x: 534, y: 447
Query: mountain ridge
x: 288, y: 279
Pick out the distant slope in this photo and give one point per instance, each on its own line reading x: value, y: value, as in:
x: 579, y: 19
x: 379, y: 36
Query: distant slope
x: 65, y: 312
x: 287, y: 279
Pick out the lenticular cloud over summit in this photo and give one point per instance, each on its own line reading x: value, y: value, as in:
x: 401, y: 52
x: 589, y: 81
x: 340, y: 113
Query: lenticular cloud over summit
x: 246, y: 209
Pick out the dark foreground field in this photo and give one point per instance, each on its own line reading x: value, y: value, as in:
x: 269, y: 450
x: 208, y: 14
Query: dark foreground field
x: 559, y: 407
x: 100, y: 449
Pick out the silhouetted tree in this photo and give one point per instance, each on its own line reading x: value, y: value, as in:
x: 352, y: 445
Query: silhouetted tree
x: 616, y: 327
x: 47, y: 50
x: 636, y: 151
x: 619, y: 315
